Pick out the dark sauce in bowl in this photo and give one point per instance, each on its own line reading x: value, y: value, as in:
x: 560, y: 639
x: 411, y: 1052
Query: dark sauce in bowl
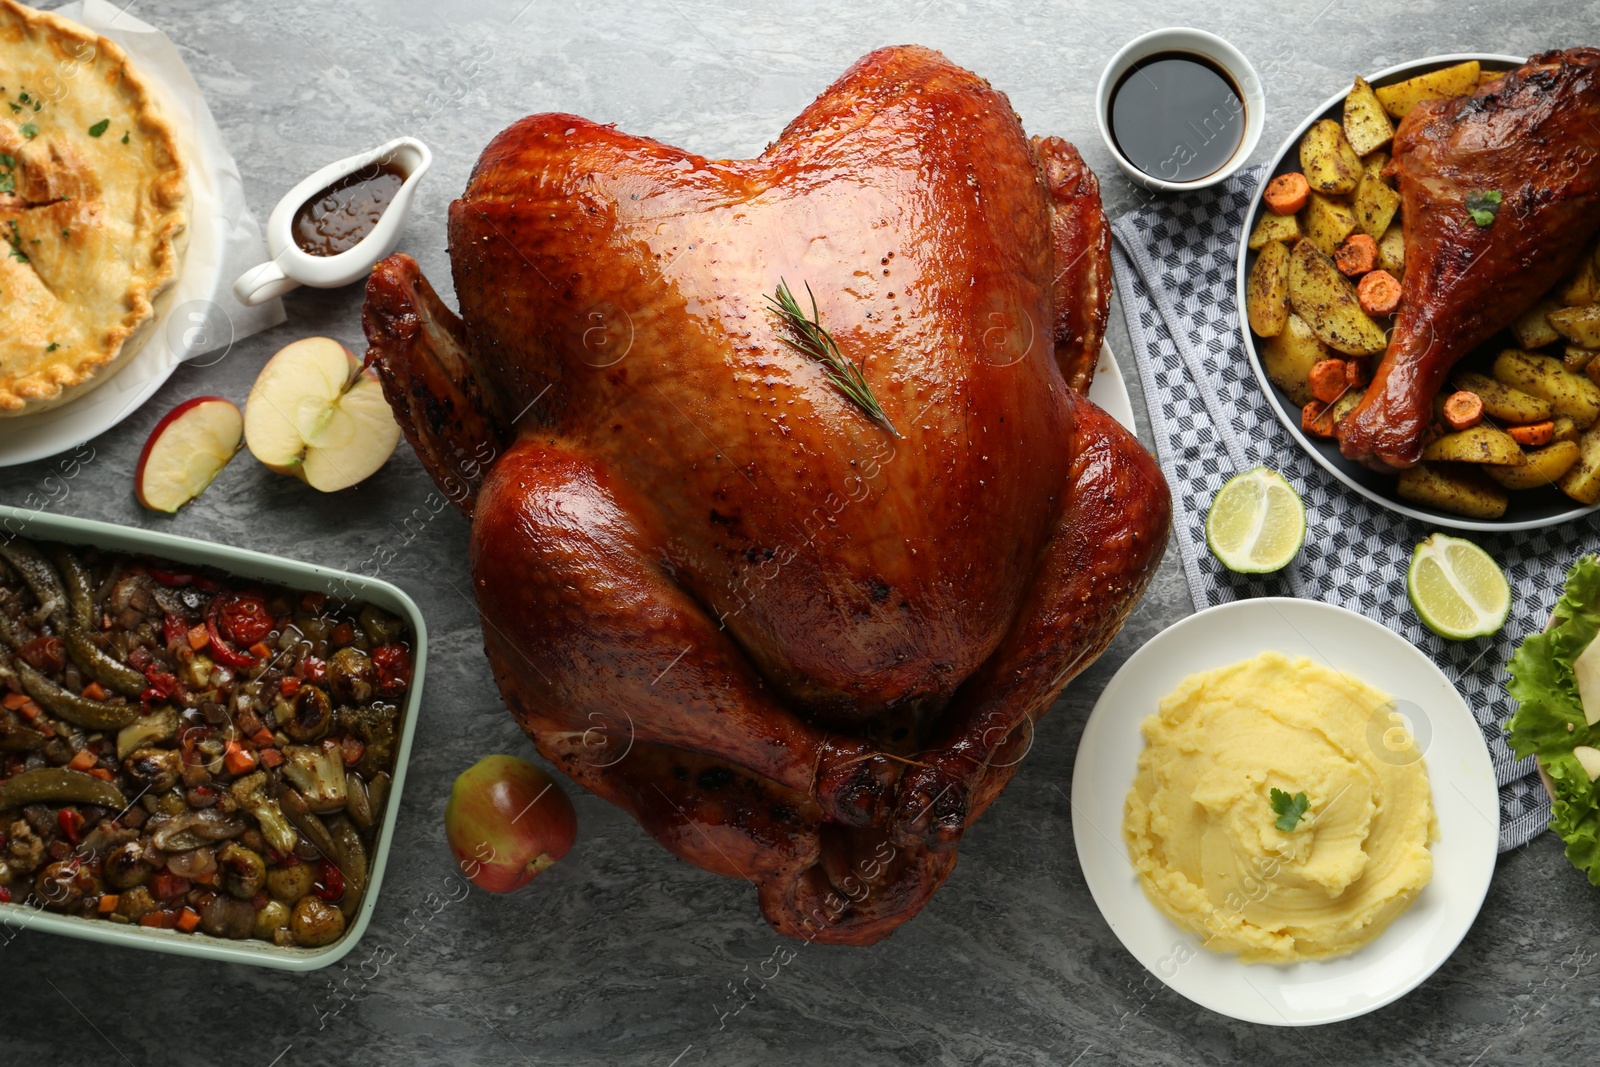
x: 1177, y: 116
x: 336, y: 219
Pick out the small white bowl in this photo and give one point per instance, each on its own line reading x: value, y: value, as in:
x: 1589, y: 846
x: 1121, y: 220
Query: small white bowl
x: 291, y: 268
x: 1208, y: 46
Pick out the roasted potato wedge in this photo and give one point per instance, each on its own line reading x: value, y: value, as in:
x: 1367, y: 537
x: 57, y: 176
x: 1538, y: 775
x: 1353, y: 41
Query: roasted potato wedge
x: 1480, y: 444
x: 1327, y: 160
x: 1565, y: 429
x: 1392, y: 251
x: 1532, y: 330
x: 1576, y: 360
x: 1458, y: 490
x: 1373, y: 164
x: 1541, y: 466
x: 1401, y: 97
x: 1582, y: 481
x: 1502, y: 402
x: 1569, y: 394
x: 1288, y: 358
x: 1580, y: 325
x: 1327, y: 301
x: 1266, y: 291
x: 1582, y: 286
x: 1276, y: 228
x: 1375, y: 205
x: 1366, y: 124
x: 1328, y: 222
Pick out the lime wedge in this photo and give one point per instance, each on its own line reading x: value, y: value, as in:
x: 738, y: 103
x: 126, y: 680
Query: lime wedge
x: 1458, y: 591
x: 1256, y: 523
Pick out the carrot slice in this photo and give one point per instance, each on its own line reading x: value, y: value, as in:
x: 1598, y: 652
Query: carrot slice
x: 1328, y: 380
x: 1356, y: 255
x: 1287, y: 193
x: 238, y: 759
x: 1316, y: 418
x: 95, y: 691
x: 1534, y: 434
x: 108, y: 903
x: 1464, y: 410
x: 1378, y: 293
x: 81, y: 760
x: 14, y: 701
x: 189, y: 920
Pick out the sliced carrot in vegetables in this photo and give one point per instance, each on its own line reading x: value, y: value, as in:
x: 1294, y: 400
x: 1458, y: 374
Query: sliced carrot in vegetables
x: 82, y: 760
x: 14, y: 701
x: 1534, y: 434
x: 271, y: 757
x: 238, y: 759
x: 95, y: 691
x: 260, y: 650
x: 1356, y: 374
x: 189, y: 920
x: 1287, y: 193
x: 1378, y: 293
x: 1316, y: 418
x: 101, y: 773
x: 1328, y: 380
x: 197, y: 637
x: 1464, y: 410
x: 108, y: 903
x: 1356, y: 255
x: 263, y: 738
x: 29, y: 710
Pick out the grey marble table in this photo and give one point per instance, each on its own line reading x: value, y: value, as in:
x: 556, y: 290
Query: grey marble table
x: 621, y: 955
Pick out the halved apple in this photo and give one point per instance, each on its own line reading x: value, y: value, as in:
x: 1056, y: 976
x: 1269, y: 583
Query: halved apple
x: 315, y: 414
x: 186, y: 451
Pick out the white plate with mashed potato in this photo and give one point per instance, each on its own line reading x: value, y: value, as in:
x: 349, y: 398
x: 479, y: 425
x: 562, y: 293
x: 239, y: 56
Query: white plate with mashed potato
x: 1285, y: 811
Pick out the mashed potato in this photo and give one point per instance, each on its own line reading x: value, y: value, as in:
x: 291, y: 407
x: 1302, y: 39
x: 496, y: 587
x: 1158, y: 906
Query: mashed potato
x: 1200, y: 823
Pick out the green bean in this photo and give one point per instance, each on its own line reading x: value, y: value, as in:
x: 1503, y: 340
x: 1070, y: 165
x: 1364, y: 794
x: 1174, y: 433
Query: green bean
x: 15, y: 737
x: 79, y: 585
x: 59, y: 785
x: 351, y: 854
x: 42, y: 578
x: 95, y: 714
x: 101, y: 666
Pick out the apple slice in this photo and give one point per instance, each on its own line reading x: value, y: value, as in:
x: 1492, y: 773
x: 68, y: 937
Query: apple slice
x: 315, y: 414
x: 186, y: 451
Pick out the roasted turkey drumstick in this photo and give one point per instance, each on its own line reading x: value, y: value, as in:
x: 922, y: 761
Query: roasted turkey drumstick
x: 799, y: 648
x: 1533, y: 135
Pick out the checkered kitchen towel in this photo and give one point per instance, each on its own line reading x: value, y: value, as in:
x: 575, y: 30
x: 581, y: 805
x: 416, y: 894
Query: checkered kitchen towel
x: 1174, y: 262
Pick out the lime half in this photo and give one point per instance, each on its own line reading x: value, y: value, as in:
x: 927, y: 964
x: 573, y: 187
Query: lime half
x: 1458, y: 591
x: 1256, y: 523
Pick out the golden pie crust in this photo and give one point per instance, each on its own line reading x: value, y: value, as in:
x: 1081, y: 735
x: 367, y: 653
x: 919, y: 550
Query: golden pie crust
x: 92, y: 209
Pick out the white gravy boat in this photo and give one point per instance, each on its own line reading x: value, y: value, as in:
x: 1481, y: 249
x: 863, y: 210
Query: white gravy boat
x: 292, y: 267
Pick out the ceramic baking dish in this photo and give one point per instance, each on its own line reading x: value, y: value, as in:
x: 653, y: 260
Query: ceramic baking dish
x: 34, y: 525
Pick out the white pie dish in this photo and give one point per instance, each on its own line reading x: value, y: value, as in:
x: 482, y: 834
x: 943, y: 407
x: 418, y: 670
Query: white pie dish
x: 1466, y: 801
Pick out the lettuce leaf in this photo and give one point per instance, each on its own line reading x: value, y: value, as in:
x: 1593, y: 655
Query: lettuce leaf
x: 1549, y: 717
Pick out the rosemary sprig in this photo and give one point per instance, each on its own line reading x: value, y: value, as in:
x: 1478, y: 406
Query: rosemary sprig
x: 811, y: 340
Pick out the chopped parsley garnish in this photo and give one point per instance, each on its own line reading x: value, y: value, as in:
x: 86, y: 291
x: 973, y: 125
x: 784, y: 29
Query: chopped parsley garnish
x: 53, y: 347
x: 1289, y: 809
x: 15, y: 240
x: 124, y: 136
x: 7, y: 161
x: 14, y: 105
x: 28, y: 129
x: 100, y: 127
x: 1483, y: 206
x: 8, y: 182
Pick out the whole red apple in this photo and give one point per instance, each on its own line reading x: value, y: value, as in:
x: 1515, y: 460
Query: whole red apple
x: 507, y: 820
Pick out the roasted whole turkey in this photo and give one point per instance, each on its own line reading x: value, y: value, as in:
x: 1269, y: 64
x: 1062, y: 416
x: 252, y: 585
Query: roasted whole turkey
x: 801, y: 645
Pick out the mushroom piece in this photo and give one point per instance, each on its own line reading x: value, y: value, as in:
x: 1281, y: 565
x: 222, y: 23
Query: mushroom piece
x: 127, y: 866
x: 226, y: 916
x: 244, y: 871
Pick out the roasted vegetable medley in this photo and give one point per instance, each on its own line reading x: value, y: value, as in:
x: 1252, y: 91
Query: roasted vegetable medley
x: 188, y: 751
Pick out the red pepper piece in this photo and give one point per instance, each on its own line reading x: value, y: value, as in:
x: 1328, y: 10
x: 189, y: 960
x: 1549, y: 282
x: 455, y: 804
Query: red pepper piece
x: 174, y: 630
x: 242, y: 617
x: 393, y: 665
x: 44, y: 654
x: 222, y: 651
x: 166, y: 885
x: 316, y: 670
x: 330, y: 884
x: 71, y: 822
x: 5, y: 895
x: 172, y: 578
x: 289, y: 686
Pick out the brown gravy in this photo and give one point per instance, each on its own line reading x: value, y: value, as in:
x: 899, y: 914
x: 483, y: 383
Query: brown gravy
x: 336, y: 219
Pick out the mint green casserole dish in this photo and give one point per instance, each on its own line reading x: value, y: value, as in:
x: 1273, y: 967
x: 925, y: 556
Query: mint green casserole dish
x: 242, y: 563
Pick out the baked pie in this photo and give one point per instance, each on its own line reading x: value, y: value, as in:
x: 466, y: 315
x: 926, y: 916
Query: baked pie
x: 92, y: 209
